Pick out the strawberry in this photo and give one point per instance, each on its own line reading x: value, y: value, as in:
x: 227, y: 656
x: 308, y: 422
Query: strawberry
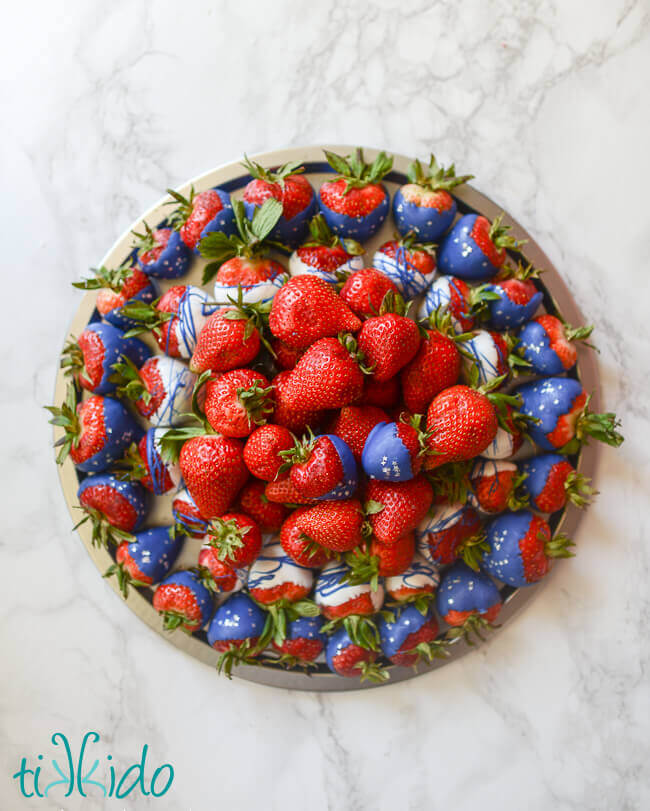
x: 199, y: 214
x: 236, y: 537
x: 322, y: 467
x: 267, y: 514
x: 353, y: 424
x: 475, y: 249
x: 435, y: 367
x: 410, y: 636
x: 424, y: 205
x: 509, y: 436
x: 462, y: 422
x: 114, y: 508
x: 393, y: 558
x: 416, y: 583
x: 512, y: 299
x: 304, y: 641
x: 162, y: 253
x: 217, y: 575
x: 116, y: 288
x: 469, y: 601
x: 229, y: 339
x: 334, y: 525
x: 327, y: 376
x: 396, y: 508
x: 496, y: 486
x: 237, y: 401
x: 560, y: 408
x: 161, y: 388
x: 282, y: 491
x: 394, y: 451
x: 388, y: 341
x: 486, y: 357
x: 146, y: 559
x: 256, y: 280
x: 299, y: 546
x: 356, y: 203
x: 521, y: 548
x: 187, y: 515
x: 547, y: 344
x: 287, y: 185
x: 364, y: 291
x: 384, y: 395
x: 448, y: 294
x: 339, y: 599
x: 262, y: 450
x: 183, y: 602
x: 345, y: 658
x: 451, y: 531
x: 96, y: 432
x: 236, y: 630
x: 324, y: 254
x: 306, y: 309
x: 287, y: 413
x: 144, y: 463
x: 410, y: 265
x: 285, y: 357
x: 550, y: 481
x: 274, y: 578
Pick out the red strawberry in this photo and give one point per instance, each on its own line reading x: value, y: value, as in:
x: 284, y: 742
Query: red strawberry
x: 388, y: 342
x: 299, y: 546
x: 393, y: 558
x: 267, y: 514
x: 385, y: 394
x: 327, y: 376
x: 317, y: 467
x: 281, y: 491
x: 435, y: 367
x: 364, y: 291
x: 237, y: 539
x: 354, y: 423
x: 335, y: 525
x: 285, y: 357
x: 228, y: 340
x: 213, y: 469
x: 237, y: 401
x: 396, y: 508
x: 462, y: 422
x: 262, y: 450
x: 287, y: 413
x: 216, y: 574
x: 307, y: 308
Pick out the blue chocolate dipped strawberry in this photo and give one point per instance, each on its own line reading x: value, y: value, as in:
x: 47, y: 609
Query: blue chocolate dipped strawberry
x: 513, y: 299
x: 322, y: 468
x: 356, y: 203
x: 114, y: 507
x: 393, y: 451
x: 200, y: 214
x: 547, y: 344
x: 521, y: 548
x: 236, y: 631
x: 475, y: 249
x: 147, y: 558
x: 409, y: 635
x: 288, y: 185
x: 89, y: 359
x: 467, y: 600
x: 559, y: 406
x: 126, y: 285
x: 424, y: 205
x: 550, y: 481
x: 183, y: 602
x: 162, y: 253
x: 97, y: 431
x: 345, y: 658
x: 304, y: 641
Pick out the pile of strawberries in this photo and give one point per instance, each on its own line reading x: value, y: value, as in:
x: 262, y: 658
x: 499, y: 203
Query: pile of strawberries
x: 339, y: 433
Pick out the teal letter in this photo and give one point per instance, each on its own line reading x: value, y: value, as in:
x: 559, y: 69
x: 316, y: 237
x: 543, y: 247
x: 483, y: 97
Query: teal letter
x: 21, y: 774
x: 169, y: 782
x: 139, y: 779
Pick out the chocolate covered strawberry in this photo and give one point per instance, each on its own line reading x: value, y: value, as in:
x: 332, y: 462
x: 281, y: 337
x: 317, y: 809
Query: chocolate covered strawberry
x: 291, y: 188
x: 365, y: 290
x: 187, y: 514
x: 496, y: 486
x: 161, y: 388
x: 183, y: 602
x: 521, y: 548
x: 548, y: 345
x: 475, y: 248
x: 303, y: 643
x: 325, y: 254
x: 161, y: 252
x: 514, y: 297
x: 263, y: 448
x: 451, y: 531
x: 275, y: 577
x: 416, y: 584
x: 510, y: 435
x: 116, y: 288
x: 353, y: 424
x: 395, y: 508
x: 409, y: 636
x: 235, y: 632
x: 237, y: 401
x: 469, y: 601
x: 114, y: 508
x: 200, y: 214
x: 448, y: 294
x: 322, y: 468
x: 394, y: 451
x: 388, y: 341
x: 144, y: 463
x: 409, y: 264
x: 146, y: 559
x: 346, y: 658
x: 424, y: 205
x: 551, y: 481
x: 356, y: 203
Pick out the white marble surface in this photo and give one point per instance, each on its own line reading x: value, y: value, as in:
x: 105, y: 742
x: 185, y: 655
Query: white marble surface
x: 106, y: 104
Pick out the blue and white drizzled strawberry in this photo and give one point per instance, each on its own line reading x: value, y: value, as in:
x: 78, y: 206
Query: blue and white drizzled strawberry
x: 467, y: 600
x: 485, y: 357
x: 236, y: 631
x: 475, y: 249
x: 89, y: 359
x: 183, y: 602
x: 409, y: 635
x: 274, y: 577
x: 448, y: 531
x: 290, y: 187
x: 325, y: 254
x: 512, y: 299
x: 563, y: 419
x: 322, y: 468
x: 356, y: 203
x: 161, y: 253
x: 200, y: 214
x: 346, y: 658
x: 115, y: 508
x: 410, y: 265
x: 144, y: 463
x: 394, y: 451
x: 551, y: 481
x: 547, y: 344
x: 187, y: 514
x: 419, y: 581
x: 447, y: 294
x: 96, y: 432
x: 147, y: 558
x: 424, y: 205
x: 496, y: 485
x: 521, y: 548
x: 126, y: 285
x: 161, y: 388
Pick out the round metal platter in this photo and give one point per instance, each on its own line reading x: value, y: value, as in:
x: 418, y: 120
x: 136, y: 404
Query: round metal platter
x: 233, y: 177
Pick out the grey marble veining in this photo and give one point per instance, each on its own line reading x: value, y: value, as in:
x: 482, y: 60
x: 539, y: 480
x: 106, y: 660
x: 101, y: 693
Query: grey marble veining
x: 105, y: 106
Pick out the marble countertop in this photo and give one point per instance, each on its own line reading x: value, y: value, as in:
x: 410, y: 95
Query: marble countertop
x: 545, y: 102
